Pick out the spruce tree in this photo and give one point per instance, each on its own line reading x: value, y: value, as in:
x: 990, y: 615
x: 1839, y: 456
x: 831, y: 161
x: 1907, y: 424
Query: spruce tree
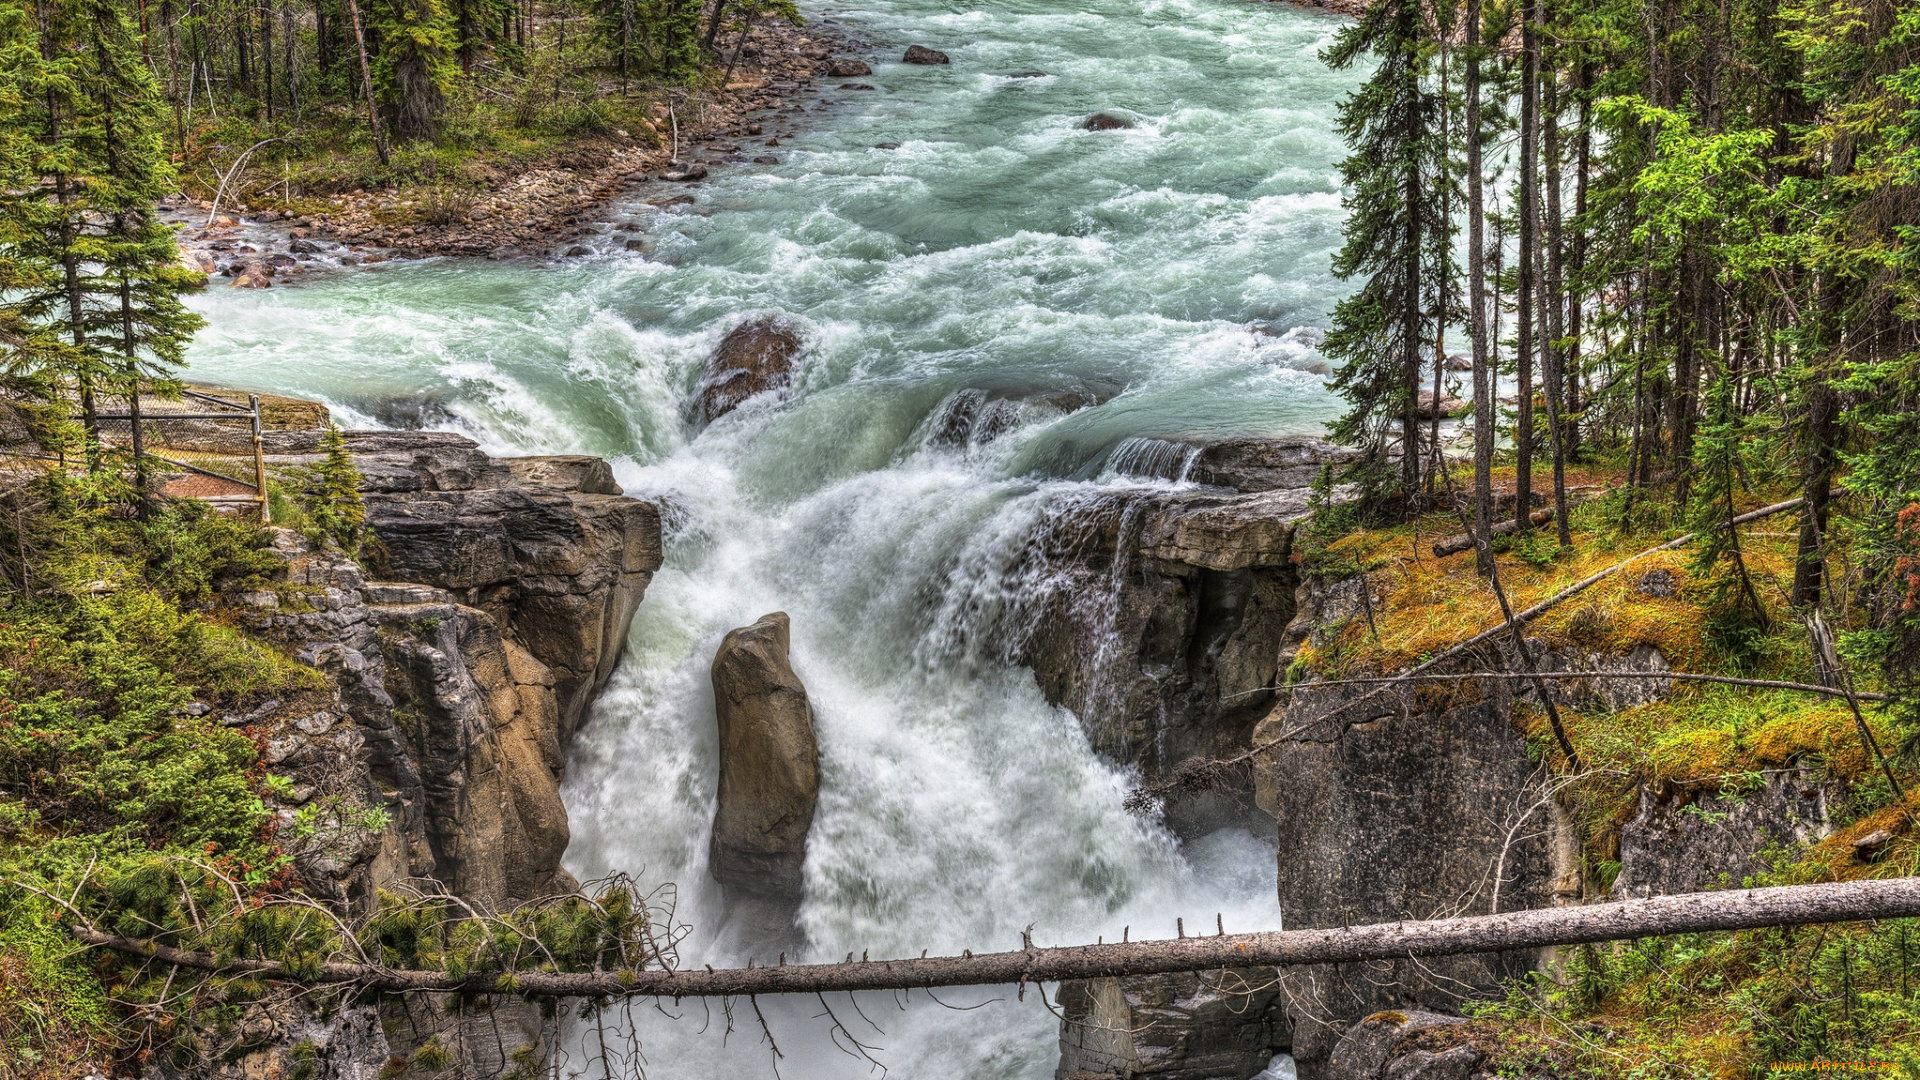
x: 1398, y: 239
x: 98, y: 277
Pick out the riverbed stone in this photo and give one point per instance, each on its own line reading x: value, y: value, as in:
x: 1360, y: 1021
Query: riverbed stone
x: 756, y: 357
x: 920, y: 54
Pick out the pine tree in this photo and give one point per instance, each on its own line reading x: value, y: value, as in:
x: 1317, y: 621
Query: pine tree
x: 1398, y: 237
x: 99, y: 277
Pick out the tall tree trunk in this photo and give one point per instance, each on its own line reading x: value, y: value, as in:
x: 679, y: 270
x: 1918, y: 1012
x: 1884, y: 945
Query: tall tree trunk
x: 1485, y: 428
x: 1551, y: 291
x: 713, y: 25
x: 366, y: 81
x: 288, y: 38
x: 1410, y: 325
x: 173, y: 75
x: 1577, y: 254
x: 1529, y: 219
x: 266, y: 55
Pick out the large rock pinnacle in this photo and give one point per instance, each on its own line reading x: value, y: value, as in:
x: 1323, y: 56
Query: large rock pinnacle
x: 769, y: 781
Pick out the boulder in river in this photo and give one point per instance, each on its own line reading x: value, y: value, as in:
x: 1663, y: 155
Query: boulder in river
x: 847, y: 69
x: 755, y: 357
x: 1449, y: 405
x: 256, y: 275
x: 686, y: 173
x: 920, y: 54
x: 1106, y: 122
x: 769, y: 780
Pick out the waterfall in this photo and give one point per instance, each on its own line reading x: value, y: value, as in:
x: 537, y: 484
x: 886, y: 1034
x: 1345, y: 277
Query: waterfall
x: 1015, y: 328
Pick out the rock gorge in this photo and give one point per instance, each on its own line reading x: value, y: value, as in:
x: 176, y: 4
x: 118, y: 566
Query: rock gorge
x: 461, y: 654
x: 463, y: 651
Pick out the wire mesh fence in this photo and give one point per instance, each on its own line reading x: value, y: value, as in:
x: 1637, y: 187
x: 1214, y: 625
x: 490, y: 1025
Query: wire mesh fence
x: 191, y: 446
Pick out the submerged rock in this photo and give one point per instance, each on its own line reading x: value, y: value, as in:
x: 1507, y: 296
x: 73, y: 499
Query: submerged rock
x: 1106, y: 122
x: 754, y: 358
x: 769, y: 781
x: 920, y: 54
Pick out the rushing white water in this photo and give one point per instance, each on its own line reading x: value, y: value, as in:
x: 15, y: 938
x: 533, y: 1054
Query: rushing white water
x: 1177, y: 270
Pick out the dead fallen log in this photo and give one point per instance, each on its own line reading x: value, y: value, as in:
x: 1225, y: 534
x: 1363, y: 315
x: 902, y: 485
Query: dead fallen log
x: 1464, y: 542
x: 1732, y: 909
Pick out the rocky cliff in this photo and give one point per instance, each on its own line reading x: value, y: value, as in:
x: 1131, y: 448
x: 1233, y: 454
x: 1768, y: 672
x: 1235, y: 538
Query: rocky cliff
x: 460, y: 655
x: 1158, y: 615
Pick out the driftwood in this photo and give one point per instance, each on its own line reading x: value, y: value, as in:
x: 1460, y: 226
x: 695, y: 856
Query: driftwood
x: 1732, y: 909
x: 1464, y: 542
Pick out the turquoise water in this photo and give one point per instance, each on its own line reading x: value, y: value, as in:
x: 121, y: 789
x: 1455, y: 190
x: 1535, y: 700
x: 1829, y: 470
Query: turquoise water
x: 1176, y: 271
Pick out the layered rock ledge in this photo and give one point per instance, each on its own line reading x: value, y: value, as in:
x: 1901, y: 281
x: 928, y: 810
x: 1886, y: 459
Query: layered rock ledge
x: 460, y: 656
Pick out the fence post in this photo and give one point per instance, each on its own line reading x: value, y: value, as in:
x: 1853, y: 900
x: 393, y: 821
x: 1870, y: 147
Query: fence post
x: 259, y: 461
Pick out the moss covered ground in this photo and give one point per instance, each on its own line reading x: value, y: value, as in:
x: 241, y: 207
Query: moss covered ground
x: 1706, y: 1006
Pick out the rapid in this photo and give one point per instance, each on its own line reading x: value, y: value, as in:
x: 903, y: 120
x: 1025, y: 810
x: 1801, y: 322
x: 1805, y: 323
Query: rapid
x: 1176, y: 272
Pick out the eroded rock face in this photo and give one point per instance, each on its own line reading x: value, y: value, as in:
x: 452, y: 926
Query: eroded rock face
x: 755, y: 357
x: 769, y: 780
x: 1208, y: 1026
x: 1252, y: 465
x: 454, y: 692
x: 1683, y: 842
x: 1158, y: 618
x: 1418, y: 803
x: 1410, y: 807
x: 1379, y: 1047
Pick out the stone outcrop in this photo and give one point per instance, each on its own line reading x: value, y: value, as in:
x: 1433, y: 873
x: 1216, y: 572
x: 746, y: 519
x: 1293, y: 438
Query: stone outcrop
x: 1254, y: 465
x: 1385, y: 1046
x: 1216, y: 1025
x: 1423, y: 802
x: 769, y: 781
x: 1683, y: 841
x: 433, y: 758
x: 1411, y: 807
x: 920, y: 54
x: 1105, y: 122
x: 977, y: 415
x: 756, y: 357
x: 1158, y: 617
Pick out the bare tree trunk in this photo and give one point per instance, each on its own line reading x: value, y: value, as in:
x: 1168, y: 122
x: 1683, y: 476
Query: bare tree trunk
x: 1688, y: 913
x: 266, y: 55
x: 288, y: 38
x: 366, y: 81
x: 1551, y: 293
x: 1484, y: 405
x: 1529, y: 226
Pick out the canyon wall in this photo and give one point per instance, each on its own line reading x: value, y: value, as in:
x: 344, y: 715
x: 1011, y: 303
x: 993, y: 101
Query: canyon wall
x: 462, y: 651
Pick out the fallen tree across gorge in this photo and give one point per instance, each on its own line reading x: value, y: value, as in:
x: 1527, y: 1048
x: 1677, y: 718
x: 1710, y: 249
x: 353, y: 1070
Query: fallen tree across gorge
x: 1732, y: 909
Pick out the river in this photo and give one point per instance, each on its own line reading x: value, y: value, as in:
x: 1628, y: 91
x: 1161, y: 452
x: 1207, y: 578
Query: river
x: 1179, y: 266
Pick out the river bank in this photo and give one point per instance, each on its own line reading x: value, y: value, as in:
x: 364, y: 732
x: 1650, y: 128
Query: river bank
x: 535, y: 208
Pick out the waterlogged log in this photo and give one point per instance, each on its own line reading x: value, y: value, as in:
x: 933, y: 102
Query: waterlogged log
x: 1733, y: 909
